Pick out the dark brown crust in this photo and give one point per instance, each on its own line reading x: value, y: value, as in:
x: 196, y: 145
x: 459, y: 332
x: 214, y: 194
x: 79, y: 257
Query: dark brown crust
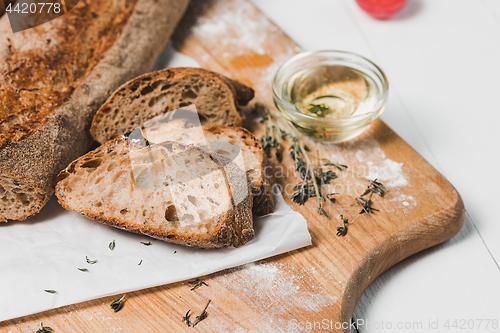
x: 241, y: 93
x: 37, y: 158
x: 225, y: 236
x: 243, y: 222
x: 263, y: 202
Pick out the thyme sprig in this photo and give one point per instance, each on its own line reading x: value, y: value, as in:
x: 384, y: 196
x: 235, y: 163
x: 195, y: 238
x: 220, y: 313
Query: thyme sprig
x: 376, y: 188
x: 203, y: 315
x: 366, y: 205
x: 342, y: 231
x: 186, y: 318
x: 197, y: 284
x: 117, y: 305
x: 313, y: 177
x: 44, y: 329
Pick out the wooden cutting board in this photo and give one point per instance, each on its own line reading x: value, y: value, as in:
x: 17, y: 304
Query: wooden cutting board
x: 320, y: 283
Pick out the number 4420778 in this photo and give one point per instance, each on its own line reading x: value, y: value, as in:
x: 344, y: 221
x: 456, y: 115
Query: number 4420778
x: 33, y: 8
x: 471, y: 324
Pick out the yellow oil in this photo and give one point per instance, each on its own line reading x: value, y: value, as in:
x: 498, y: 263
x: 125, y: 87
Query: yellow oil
x: 340, y: 91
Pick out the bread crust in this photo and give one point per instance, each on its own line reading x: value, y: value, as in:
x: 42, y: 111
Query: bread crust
x: 241, y: 95
x: 36, y: 157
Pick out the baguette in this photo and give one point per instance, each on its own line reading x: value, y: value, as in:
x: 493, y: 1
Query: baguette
x: 54, y: 78
x: 216, y: 98
x: 170, y: 191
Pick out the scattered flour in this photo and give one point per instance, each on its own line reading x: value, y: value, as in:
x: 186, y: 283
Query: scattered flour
x: 227, y: 28
x: 275, y: 291
x: 382, y: 168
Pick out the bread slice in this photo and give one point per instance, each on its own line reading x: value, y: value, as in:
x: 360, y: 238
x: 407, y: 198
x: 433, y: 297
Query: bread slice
x: 55, y: 76
x: 215, y: 96
x: 219, y: 139
x: 174, y: 192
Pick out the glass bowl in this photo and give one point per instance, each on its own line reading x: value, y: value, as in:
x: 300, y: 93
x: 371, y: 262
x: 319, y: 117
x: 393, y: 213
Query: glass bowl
x: 310, y: 69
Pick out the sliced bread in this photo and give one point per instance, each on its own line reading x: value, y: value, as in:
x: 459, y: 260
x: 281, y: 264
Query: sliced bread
x: 145, y: 97
x: 219, y: 139
x: 170, y: 191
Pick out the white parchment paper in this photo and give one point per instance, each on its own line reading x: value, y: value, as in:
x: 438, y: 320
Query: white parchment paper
x: 46, y: 251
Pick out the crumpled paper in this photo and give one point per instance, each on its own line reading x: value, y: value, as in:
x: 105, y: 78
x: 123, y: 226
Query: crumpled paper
x: 45, y: 252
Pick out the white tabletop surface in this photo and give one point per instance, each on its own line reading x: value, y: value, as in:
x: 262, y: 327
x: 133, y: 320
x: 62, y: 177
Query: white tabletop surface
x: 442, y: 59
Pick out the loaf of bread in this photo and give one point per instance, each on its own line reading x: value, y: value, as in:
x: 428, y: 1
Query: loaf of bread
x: 216, y: 98
x: 170, y: 191
x: 55, y: 76
x: 219, y: 139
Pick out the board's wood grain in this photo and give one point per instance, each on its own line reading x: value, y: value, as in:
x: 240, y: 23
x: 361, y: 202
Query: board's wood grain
x: 321, y: 282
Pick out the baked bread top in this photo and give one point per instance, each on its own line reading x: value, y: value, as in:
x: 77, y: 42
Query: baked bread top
x: 42, y: 66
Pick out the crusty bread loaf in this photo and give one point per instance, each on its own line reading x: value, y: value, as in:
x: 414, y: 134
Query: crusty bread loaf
x: 170, y: 191
x: 55, y: 76
x: 214, y: 137
x: 215, y: 96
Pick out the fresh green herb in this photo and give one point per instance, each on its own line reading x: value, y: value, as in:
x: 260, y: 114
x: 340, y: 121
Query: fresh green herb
x: 44, y: 329
x: 50, y: 291
x: 320, y: 110
x: 112, y: 245
x: 140, y: 262
x: 147, y: 244
x: 203, y: 315
x: 117, y: 305
x: 83, y: 269
x: 197, y: 284
x: 90, y: 261
x: 186, y: 318
x: 342, y: 231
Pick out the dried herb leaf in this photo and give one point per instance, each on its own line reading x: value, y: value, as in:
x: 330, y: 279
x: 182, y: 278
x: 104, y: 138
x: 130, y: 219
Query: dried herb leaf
x: 203, y: 315
x: 44, y: 329
x: 112, y: 245
x: 342, y: 231
x: 140, y: 262
x: 197, y: 284
x: 330, y: 196
x: 320, y: 110
x: 147, y: 244
x: 117, y: 305
x: 50, y: 291
x: 186, y: 318
x: 376, y: 188
x: 83, y: 269
x: 366, y: 206
x: 90, y: 261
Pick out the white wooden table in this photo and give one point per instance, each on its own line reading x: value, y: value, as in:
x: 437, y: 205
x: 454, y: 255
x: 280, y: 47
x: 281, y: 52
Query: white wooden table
x: 442, y: 58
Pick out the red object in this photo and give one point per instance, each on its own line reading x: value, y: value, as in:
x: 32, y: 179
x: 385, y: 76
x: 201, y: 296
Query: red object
x: 381, y: 9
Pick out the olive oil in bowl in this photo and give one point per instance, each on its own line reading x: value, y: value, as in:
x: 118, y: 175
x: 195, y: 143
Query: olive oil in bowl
x: 331, y: 96
x: 332, y: 91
